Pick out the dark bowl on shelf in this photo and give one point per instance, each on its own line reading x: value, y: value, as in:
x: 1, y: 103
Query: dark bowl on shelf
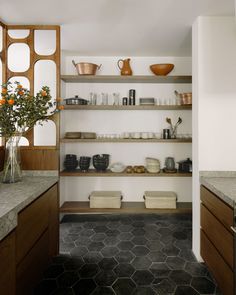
x: 70, y: 157
x: 101, y: 162
x: 84, y: 163
x: 71, y: 165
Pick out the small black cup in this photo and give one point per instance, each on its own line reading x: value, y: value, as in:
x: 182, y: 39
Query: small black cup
x: 166, y: 133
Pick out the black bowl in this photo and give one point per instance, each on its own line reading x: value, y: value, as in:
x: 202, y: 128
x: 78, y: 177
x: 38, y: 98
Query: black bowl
x: 101, y: 162
x: 84, y: 163
x: 71, y: 166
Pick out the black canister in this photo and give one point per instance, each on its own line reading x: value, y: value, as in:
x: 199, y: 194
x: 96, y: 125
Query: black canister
x: 166, y: 133
x: 125, y: 101
x: 132, y: 97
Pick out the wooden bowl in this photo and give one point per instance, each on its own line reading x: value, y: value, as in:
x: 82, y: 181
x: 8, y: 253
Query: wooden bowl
x: 161, y: 69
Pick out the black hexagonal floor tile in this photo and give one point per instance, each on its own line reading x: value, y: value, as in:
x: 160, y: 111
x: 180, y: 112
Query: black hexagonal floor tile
x: 143, y: 277
x: 141, y: 262
x: 140, y: 251
x: 171, y: 250
x: 92, y: 257
x: 139, y: 241
x: 105, y: 278
x: 84, y: 286
x: 185, y: 290
x: 125, y: 228
x: 79, y: 251
x: 111, y: 241
x: 67, y: 279
x: 144, y: 291
x: 82, y: 241
x: 164, y: 286
x: 175, y: 262
x: 100, y: 229
x: 98, y: 237
x: 88, y: 270
x: 124, y: 257
x: 45, y: 287
x: 125, y: 245
x: 138, y: 232
x: 187, y: 255
x: 160, y: 269
x: 112, y: 232
x: 179, y: 235
x: 103, y: 291
x: 53, y: 271
x: 109, y: 251
x: 196, y: 268
x: 107, y: 263
x: 86, y: 233
x: 155, y: 245
x: 95, y: 246
x: 124, y: 286
x: 125, y: 236
x: 74, y: 263
x: 113, y: 224
x: 203, y: 285
x: 180, y: 277
x: 124, y: 270
x: 157, y: 256
x: 138, y: 224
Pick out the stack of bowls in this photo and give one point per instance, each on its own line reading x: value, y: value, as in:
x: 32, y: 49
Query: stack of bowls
x: 84, y: 163
x: 70, y: 162
x: 101, y: 162
x: 152, y: 165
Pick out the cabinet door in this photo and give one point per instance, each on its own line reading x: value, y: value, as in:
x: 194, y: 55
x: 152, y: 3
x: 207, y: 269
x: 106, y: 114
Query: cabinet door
x: 32, y: 222
x: 7, y: 265
x: 53, y: 221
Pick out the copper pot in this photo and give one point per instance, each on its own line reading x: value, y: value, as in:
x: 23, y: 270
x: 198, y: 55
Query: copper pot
x: 86, y: 68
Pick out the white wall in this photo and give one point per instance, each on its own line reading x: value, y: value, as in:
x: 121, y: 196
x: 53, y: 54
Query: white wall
x: 119, y: 121
x: 214, y: 103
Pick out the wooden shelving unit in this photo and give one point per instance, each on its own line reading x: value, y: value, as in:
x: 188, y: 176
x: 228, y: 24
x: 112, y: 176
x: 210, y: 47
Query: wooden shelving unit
x: 126, y: 207
x: 121, y: 140
x: 128, y: 107
x: 109, y: 173
x: 125, y: 79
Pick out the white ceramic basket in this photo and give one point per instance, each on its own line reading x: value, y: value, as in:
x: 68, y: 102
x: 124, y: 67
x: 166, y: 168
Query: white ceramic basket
x: 160, y: 199
x: 105, y: 199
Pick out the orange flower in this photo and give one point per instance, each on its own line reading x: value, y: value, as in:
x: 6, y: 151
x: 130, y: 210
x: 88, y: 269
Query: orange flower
x: 4, y: 90
x: 60, y: 107
x: 2, y: 101
x: 21, y: 92
x: 11, y: 101
x: 19, y: 86
x: 44, y: 93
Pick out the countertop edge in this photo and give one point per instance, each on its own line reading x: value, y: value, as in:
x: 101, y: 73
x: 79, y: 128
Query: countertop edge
x: 8, y: 220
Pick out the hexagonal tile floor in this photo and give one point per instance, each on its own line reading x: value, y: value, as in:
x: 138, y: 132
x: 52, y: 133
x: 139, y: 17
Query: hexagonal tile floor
x: 126, y: 255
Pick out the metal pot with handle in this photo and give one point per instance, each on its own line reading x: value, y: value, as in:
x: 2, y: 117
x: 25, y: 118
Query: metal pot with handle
x: 86, y: 68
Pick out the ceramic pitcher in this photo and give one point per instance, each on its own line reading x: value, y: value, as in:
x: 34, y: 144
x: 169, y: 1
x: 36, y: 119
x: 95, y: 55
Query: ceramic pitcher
x: 170, y: 163
x: 124, y: 66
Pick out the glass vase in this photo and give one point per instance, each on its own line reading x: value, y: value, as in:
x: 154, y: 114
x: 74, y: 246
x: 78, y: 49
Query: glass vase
x: 12, y: 165
x: 173, y: 132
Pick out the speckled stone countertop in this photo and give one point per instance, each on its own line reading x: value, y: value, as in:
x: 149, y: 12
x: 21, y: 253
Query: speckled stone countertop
x: 221, y: 184
x: 16, y: 196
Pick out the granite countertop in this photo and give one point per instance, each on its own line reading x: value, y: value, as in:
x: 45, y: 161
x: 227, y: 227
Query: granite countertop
x: 16, y: 196
x: 222, y: 185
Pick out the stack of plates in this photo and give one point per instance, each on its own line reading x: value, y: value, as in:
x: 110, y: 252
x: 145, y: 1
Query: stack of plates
x: 73, y: 135
x: 152, y: 165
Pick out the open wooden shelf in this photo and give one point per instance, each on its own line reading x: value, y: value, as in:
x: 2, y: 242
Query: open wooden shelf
x: 128, y: 107
x: 125, y: 79
x: 126, y: 207
x: 123, y: 140
x: 109, y: 173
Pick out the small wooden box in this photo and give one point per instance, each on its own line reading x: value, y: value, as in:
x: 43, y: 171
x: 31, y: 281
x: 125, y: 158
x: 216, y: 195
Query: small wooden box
x: 160, y: 199
x: 105, y: 199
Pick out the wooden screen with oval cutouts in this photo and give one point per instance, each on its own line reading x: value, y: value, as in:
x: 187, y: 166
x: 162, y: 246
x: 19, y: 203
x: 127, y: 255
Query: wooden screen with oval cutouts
x: 30, y: 54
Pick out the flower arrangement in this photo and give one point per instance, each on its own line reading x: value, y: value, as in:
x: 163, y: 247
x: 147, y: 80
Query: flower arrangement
x: 173, y: 128
x: 19, y: 110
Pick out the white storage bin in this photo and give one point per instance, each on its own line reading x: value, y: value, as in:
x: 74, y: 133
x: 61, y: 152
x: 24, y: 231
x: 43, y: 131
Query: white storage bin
x: 105, y: 199
x: 160, y: 199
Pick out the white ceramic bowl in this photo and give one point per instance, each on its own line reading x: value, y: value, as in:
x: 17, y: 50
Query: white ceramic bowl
x: 117, y: 167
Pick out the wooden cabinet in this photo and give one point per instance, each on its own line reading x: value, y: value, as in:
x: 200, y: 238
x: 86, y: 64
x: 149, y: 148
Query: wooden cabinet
x: 26, y: 252
x: 37, y: 238
x: 7, y: 265
x: 217, y: 240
